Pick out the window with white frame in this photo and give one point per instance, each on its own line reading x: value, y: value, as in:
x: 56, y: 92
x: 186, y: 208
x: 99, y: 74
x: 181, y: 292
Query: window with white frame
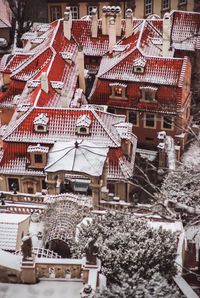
x: 148, y: 93
x: 74, y: 11
x: 118, y: 91
x: 167, y: 122
x: 90, y: 9
x: 55, y: 12
x: 165, y: 4
x: 150, y: 120
x: 148, y: 7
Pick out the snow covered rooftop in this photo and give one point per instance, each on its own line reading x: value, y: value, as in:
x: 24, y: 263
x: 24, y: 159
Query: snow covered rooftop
x: 9, y: 260
x: 9, y: 224
x: 79, y: 156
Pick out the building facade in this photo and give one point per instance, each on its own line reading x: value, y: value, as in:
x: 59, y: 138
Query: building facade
x: 141, y: 8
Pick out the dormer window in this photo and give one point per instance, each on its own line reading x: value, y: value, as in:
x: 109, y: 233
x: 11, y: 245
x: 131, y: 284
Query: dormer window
x: 40, y: 123
x: 118, y: 91
x: 138, y: 69
x: 38, y: 156
x: 83, y: 125
x: 148, y: 93
x: 139, y: 65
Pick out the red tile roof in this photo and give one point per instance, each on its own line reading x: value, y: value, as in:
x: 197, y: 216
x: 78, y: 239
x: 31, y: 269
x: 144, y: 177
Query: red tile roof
x: 185, y: 30
x: 62, y: 127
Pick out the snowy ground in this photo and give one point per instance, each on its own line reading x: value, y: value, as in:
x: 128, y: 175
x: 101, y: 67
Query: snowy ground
x: 44, y: 289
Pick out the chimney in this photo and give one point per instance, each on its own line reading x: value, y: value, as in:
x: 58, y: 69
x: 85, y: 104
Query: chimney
x: 81, y: 68
x: 118, y: 20
x: 44, y: 82
x: 94, y: 27
x: 67, y: 23
x: 104, y: 21
x: 166, y: 35
x: 129, y: 22
x: 112, y: 34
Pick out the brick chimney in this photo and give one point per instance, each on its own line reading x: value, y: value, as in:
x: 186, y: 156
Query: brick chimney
x: 94, y: 27
x: 81, y: 68
x: 44, y: 82
x: 118, y: 20
x: 166, y: 35
x: 67, y: 23
x: 129, y: 22
x: 112, y: 34
x: 104, y: 21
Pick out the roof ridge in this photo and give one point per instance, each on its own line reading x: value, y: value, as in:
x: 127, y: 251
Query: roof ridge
x: 116, y: 62
x: 183, y: 69
x: 105, y: 127
x: 16, y: 123
x: 27, y: 62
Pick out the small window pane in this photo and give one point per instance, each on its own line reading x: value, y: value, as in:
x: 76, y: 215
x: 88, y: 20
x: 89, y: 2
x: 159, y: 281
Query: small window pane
x: 38, y: 158
x: 55, y: 12
x: 74, y: 11
x: 118, y: 91
x: 13, y: 184
x: 150, y: 120
x: 167, y: 122
x: 165, y: 4
x: 148, y: 7
x: 133, y: 117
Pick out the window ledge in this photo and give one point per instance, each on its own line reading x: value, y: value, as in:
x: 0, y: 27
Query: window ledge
x: 118, y: 97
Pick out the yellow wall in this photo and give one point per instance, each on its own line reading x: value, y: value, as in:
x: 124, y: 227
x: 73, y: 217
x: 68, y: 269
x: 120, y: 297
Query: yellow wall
x: 139, y: 10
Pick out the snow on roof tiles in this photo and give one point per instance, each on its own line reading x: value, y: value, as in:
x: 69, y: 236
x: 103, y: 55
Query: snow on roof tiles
x: 185, y: 30
x: 9, y: 229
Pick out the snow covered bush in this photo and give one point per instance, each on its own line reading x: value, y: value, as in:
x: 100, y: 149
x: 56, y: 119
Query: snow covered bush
x: 137, y: 287
x: 129, y: 248
x: 182, y: 186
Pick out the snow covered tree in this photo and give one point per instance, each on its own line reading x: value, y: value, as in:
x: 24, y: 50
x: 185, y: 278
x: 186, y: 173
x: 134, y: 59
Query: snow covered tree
x: 156, y: 287
x: 18, y: 8
x: 128, y: 247
x: 182, y: 186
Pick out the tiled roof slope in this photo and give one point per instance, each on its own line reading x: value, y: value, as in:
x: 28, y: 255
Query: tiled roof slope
x: 185, y: 32
x: 62, y: 126
x: 105, y: 128
x: 9, y: 230
x: 81, y: 31
x: 165, y: 71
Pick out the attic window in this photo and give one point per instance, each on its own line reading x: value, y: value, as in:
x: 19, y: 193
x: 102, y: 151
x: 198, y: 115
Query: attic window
x: 139, y: 65
x: 40, y: 123
x: 38, y: 156
x: 118, y: 91
x: 83, y: 125
x: 138, y: 69
x: 148, y: 93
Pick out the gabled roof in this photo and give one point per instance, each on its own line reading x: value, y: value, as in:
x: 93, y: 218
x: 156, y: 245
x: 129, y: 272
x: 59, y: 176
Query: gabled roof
x: 158, y: 70
x: 62, y: 126
x: 185, y: 32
